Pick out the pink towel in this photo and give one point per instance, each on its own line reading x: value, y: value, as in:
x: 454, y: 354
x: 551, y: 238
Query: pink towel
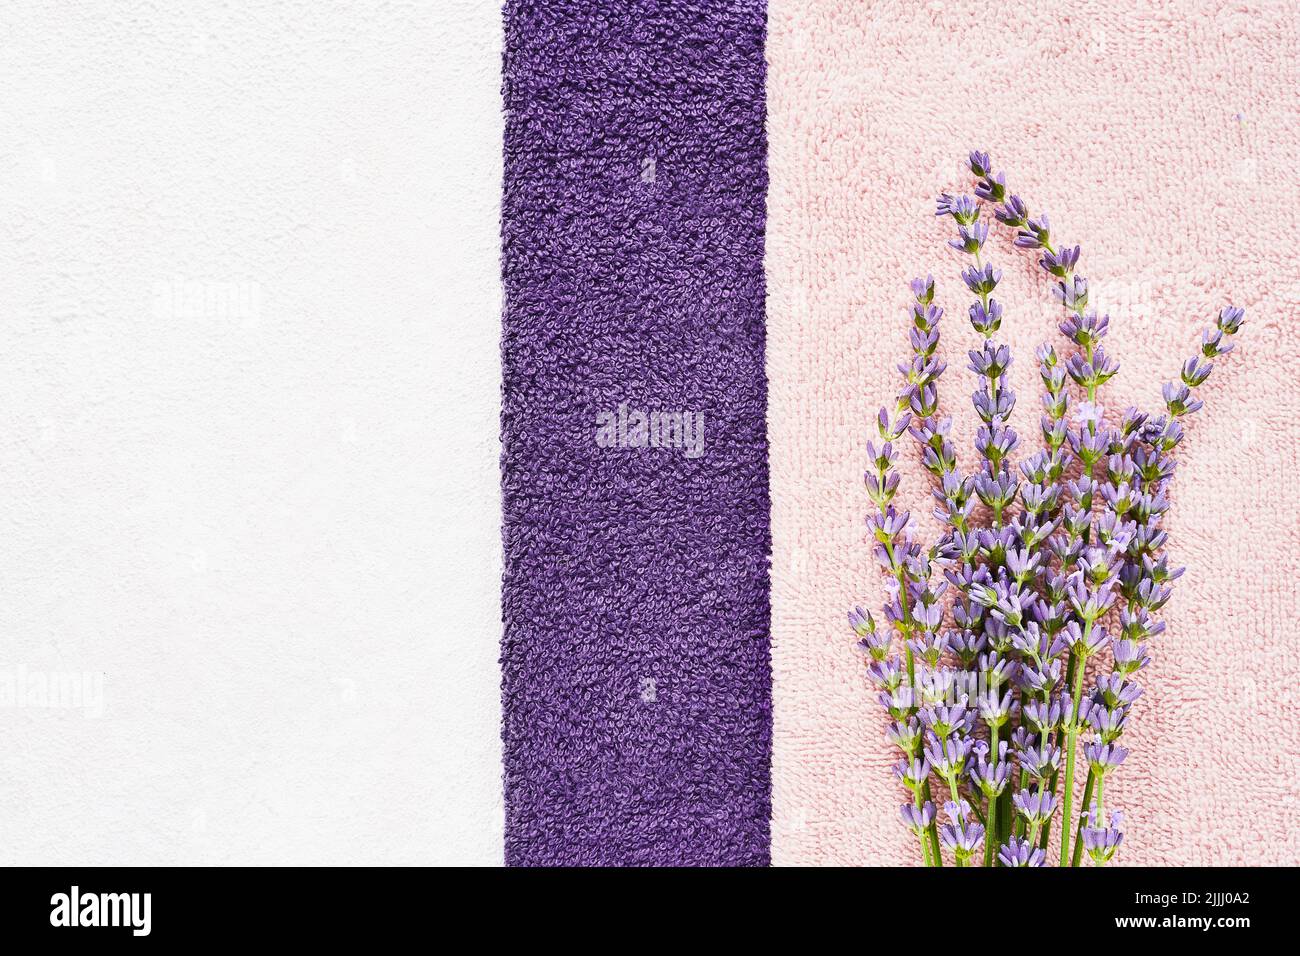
x: 1165, y: 139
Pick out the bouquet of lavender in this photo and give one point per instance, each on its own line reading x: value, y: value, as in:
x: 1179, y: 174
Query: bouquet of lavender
x: 1022, y: 630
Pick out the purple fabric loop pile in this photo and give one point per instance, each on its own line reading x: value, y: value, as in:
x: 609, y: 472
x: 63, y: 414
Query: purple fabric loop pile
x: 636, y: 668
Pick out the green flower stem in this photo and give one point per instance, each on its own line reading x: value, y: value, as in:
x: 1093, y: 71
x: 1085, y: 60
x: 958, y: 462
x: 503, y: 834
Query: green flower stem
x: 990, y: 830
x: 901, y: 577
x: 956, y: 798
x: 1071, y: 739
x: 1033, y: 831
x: 984, y: 303
x: 1051, y: 782
x: 925, y: 843
x: 1078, y: 847
x: 1092, y: 389
x: 1078, y: 835
x: 933, y: 829
x: 1020, y: 821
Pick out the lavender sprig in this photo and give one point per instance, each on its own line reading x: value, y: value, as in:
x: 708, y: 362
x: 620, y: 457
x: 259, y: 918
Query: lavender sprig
x: 987, y: 706
x: 1091, y: 369
x: 996, y: 485
x: 896, y: 553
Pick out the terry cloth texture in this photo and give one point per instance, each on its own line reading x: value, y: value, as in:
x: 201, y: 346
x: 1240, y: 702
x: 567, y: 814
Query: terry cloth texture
x: 1164, y: 138
x: 636, y: 668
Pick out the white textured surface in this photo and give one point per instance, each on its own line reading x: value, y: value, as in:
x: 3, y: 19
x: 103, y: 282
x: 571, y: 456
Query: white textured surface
x: 269, y: 517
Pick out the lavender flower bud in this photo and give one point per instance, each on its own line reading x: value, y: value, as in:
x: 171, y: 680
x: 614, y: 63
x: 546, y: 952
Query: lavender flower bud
x: 1085, y: 328
x: 923, y: 290
x: 1108, y: 724
x: 1098, y: 565
x: 1137, y: 624
x: 986, y: 321
x: 886, y: 526
x: 967, y: 645
x: 1230, y: 319
x: 962, y: 836
x: 997, y: 669
x: 981, y: 281
x: 1022, y: 563
x: 1040, y: 760
x: 1213, y: 343
x: 889, y: 432
x: 899, y: 703
x: 970, y: 239
x: 887, y: 674
x: 1036, y: 806
x: 917, y: 819
x: 1090, y: 606
x: 1196, y: 371
x: 1020, y: 852
x: 1044, y: 717
x: 1159, y: 571
x: 946, y: 720
x: 1035, y: 234
x: 991, y: 779
x: 929, y: 646
x: 1092, y: 373
x: 1038, y: 497
x: 1012, y: 213
x: 1039, y: 678
x: 992, y: 188
x: 937, y: 685
x: 1073, y: 295
x: 914, y: 772
x: 996, y: 442
x: 862, y: 622
x: 948, y: 756
x: 1152, y: 596
x: 882, y: 458
x: 1029, y: 641
x: 905, y: 735
x: 995, y: 711
x: 997, y: 492
x: 1116, y: 691
x: 1133, y: 420
x: 1060, y: 263
x: 1130, y: 656
x: 961, y: 208
x: 1179, y: 401
x: 1102, y: 842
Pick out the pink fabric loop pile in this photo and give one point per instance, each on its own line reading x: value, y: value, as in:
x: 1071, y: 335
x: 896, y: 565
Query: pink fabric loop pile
x: 1164, y: 139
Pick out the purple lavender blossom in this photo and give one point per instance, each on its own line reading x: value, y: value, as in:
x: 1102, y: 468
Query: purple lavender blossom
x: 1035, y: 234
x: 1012, y: 213
x: 1102, y: 757
x: 961, y: 208
x: 1061, y: 263
x: 1036, y: 806
x: 1020, y: 852
x: 917, y: 819
x: 981, y: 280
x: 963, y: 835
x: 1101, y: 842
x: 970, y: 238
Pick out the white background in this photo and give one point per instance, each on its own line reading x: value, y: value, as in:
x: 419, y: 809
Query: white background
x: 249, y: 382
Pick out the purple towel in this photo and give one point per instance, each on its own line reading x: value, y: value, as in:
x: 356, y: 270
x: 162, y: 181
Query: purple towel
x: 636, y: 665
